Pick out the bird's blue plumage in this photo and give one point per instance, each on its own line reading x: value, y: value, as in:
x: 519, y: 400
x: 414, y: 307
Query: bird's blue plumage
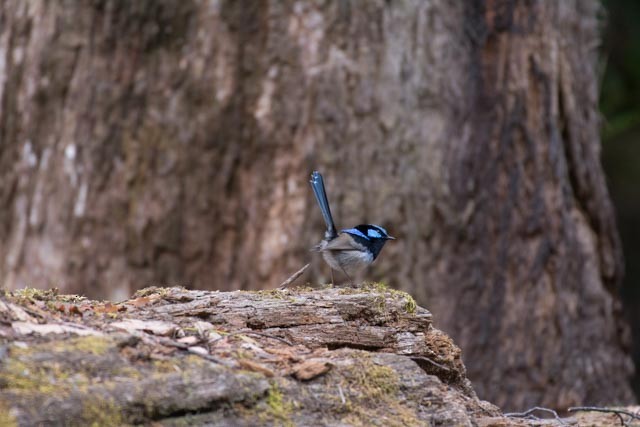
x: 317, y: 184
x: 355, y: 232
x: 353, y: 248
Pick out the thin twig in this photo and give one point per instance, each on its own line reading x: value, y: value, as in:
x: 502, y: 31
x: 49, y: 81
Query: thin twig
x: 529, y: 413
x: 252, y: 333
x: 618, y: 412
x: 273, y: 337
x: 433, y: 362
x: 341, y: 394
x: 293, y: 277
x: 153, y: 339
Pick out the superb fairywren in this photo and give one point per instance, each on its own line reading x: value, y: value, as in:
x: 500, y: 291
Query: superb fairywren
x: 351, y: 249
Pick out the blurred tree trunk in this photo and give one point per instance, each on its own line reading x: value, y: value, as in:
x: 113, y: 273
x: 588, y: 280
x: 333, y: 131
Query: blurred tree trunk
x: 155, y: 142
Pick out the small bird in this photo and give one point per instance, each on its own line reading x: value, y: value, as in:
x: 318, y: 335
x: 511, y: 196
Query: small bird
x: 351, y: 249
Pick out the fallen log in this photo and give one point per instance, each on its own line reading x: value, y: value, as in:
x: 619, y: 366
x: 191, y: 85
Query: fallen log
x: 173, y: 356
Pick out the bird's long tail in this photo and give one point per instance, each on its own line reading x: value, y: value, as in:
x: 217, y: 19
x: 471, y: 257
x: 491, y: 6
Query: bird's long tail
x: 317, y: 184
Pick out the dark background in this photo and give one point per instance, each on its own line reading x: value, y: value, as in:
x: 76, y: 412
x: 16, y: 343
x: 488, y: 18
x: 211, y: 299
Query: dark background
x: 620, y: 106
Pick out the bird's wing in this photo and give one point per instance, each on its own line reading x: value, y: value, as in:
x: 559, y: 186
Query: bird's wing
x: 341, y: 243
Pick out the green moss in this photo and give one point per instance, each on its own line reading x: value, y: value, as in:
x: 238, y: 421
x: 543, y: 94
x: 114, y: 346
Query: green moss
x: 375, y: 287
x: 49, y: 296
x: 128, y: 372
x: 31, y: 373
x: 18, y: 376
x: 410, y: 304
x: 380, y: 303
x: 96, y: 345
x: 304, y: 288
x: 376, y: 381
x: 25, y: 373
x: 73, y: 299
x: 152, y: 290
x: 6, y: 418
x: 27, y: 378
x: 165, y: 366
x: 90, y: 344
x: 274, y: 293
x: 278, y: 410
x: 372, y: 391
x: 189, y: 367
x: 102, y: 412
x: 32, y: 294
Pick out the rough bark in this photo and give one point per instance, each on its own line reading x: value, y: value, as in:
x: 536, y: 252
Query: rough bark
x: 172, y: 356
x: 281, y: 357
x: 536, y: 255
x: 169, y: 142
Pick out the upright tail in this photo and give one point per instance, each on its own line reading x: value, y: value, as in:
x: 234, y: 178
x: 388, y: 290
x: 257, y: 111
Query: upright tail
x: 317, y: 184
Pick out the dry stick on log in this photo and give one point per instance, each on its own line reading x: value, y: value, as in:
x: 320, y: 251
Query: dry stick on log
x: 618, y: 412
x: 151, y: 339
x: 529, y: 413
x: 433, y: 362
x: 342, y: 399
x: 293, y: 277
x: 260, y: 334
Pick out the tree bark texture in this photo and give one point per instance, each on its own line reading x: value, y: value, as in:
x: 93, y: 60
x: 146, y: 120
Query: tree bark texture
x: 169, y: 355
x: 176, y: 357
x: 170, y: 142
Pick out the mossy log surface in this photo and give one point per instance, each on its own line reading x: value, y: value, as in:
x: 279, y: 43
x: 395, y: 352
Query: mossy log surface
x: 172, y: 356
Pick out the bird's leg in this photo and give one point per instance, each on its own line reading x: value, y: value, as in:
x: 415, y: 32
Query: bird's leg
x: 333, y: 283
x: 351, y: 283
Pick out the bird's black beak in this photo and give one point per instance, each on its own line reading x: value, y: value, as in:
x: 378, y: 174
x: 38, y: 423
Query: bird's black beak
x: 391, y: 238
